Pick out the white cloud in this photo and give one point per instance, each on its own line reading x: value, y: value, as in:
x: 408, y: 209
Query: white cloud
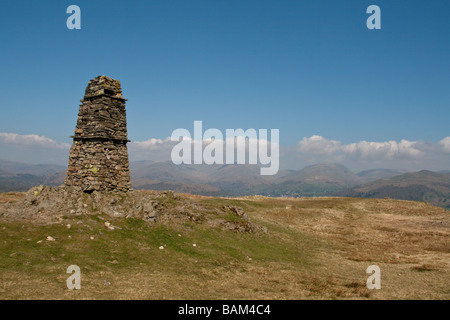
x: 318, y: 145
x: 404, y: 154
x: 152, y: 143
x: 31, y: 140
x: 383, y: 150
x: 445, y: 143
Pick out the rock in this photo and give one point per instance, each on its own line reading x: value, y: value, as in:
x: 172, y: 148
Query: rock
x: 50, y: 238
x: 99, y: 150
x: 161, y: 248
x: 68, y: 226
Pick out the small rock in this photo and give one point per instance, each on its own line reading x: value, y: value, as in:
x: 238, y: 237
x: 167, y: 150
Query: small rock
x: 194, y: 245
x: 40, y: 241
x: 68, y: 226
x: 70, y: 237
x: 49, y: 238
x: 161, y: 248
x: 106, y: 283
x: 84, y: 205
x: 72, y: 211
x: 107, y: 224
x: 179, y: 235
x: 91, y: 237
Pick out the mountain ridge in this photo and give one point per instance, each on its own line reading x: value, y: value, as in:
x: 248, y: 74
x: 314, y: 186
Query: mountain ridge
x: 323, y: 179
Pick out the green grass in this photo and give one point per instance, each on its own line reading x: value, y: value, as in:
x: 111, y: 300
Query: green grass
x: 137, y: 243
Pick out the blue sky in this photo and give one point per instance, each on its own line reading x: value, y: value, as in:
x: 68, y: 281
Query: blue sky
x: 308, y: 68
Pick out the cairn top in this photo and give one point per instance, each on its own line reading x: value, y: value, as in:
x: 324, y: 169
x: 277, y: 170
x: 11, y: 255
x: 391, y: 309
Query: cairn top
x: 103, y: 85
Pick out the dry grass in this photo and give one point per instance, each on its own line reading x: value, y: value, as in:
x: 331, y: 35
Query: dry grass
x: 316, y: 249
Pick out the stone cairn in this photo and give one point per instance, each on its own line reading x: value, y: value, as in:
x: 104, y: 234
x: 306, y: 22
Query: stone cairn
x: 98, y: 159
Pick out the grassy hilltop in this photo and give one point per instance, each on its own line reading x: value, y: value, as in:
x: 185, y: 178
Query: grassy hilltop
x: 316, y: 248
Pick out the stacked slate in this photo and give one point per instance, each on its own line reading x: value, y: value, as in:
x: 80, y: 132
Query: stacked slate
x: 98, y: 159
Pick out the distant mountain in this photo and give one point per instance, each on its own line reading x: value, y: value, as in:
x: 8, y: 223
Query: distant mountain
x: 326, y: 179
x: 325, y: 173
x: 315, y: 180
x: 33, y: 169
x: 237, y: 180
x: 375, y: 174
x: 200, y: 179
x: 432, y: 187
x: 17, y: 176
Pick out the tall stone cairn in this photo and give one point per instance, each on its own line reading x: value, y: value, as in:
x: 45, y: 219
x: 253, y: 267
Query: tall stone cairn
x: 98, y: 159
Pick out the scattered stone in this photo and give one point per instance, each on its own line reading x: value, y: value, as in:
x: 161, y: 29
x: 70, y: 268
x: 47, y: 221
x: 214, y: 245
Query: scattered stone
x: 91, y: 237
x: 161, y: 248
x: 194, y: 245
x: 50, y: 238
x: 107, y: 224
x: 68, y: 226
x: 106, y: 283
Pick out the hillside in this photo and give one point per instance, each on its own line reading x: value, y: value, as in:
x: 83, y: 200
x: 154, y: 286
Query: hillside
x: 324, y: 179
x: 432, y: 187
x: 31, y: 169
x: 239, y: 180
x: 376, y: 174
x: 316, y: 180
x: 312, y: 248
x: 17, y: 176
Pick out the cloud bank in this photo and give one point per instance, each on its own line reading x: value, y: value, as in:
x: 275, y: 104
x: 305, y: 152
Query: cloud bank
x: 361, y: 155
x: 414, y: 155
x: 31, y: 140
